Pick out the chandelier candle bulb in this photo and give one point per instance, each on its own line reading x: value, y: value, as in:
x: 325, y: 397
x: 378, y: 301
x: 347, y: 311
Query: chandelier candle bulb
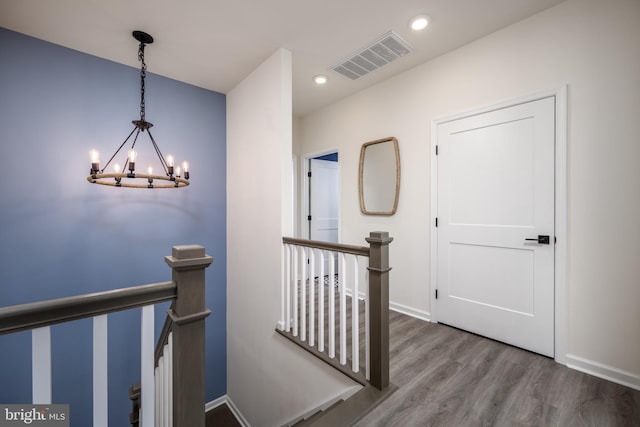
x: 170, y: 164
x: 95, y: 161
x: 118, y: 179
x: 132, y: 159
x: 185, y: 167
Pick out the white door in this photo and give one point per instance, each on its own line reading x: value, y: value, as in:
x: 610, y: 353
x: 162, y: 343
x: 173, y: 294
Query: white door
x: 495, y: 192
x: 323, y: 200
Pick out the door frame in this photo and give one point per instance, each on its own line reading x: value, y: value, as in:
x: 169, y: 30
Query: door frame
x: 304, y: 191
x: 560, y: 267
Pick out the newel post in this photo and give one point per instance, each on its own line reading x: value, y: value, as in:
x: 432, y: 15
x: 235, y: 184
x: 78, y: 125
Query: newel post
x: 188, y: 263
x: 379, y: 307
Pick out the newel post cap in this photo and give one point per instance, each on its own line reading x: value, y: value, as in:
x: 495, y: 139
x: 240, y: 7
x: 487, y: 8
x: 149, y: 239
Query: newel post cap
x: 188, y: 257
x: 379, y: 237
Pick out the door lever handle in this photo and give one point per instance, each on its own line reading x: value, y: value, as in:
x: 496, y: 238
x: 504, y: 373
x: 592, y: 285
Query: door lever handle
x: 542, y: 240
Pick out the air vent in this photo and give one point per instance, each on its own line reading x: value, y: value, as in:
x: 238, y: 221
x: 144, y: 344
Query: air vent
x: 381, y: 52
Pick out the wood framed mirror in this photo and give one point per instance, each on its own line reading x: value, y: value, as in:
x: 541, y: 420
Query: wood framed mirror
x: 379, y: 177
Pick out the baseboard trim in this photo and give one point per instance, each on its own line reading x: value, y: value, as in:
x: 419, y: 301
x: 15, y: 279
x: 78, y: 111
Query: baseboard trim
x: 234, y: 410
x: 215, y: 403
x: 619, y: 376
x: 236, y: 413
x: 329, y: 402
x: 410, y: 311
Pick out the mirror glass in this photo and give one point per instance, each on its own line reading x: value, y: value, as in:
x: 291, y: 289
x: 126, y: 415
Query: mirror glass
x: 379, y: 178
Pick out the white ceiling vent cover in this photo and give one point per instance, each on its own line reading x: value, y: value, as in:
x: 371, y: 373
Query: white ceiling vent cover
x: 384, y: 50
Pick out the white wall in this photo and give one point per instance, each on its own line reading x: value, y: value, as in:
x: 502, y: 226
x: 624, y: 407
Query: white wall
x: 269, y: 379
x: 298, y: 169
x: 593, y: 47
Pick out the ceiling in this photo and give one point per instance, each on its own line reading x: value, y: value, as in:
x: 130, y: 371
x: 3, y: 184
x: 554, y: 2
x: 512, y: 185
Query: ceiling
x: 215, y: 44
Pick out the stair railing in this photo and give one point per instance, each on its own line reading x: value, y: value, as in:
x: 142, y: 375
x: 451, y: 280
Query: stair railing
x: 324, y: 302
x: 187, y: 314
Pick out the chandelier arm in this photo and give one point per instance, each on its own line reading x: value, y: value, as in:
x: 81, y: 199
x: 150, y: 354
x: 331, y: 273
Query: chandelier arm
x: 160, y: 156
x: 118, y: 150
x: 135, y: 139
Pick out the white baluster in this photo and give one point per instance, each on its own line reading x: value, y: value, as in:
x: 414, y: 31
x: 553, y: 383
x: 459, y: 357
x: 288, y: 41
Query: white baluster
x: 147, y: 403
x: 295, y: 291
x: 332, y: 306
x: 287, y: 288
x: 355, y: 339
x: 303, y: 292
x: 100, y: 372
x: 367, y: 348
x: 159, y: 389
x: 312, y: 295
x: 283, y: 280
x: 342, y: 279
x: 321, y: 302
x: 41, y: 365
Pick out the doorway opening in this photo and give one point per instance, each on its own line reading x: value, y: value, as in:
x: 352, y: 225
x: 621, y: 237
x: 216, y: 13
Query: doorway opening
x: 322, y: 197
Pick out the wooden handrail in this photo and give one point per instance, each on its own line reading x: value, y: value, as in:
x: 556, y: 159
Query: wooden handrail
x: 45, y: 313
x: 328, y: 246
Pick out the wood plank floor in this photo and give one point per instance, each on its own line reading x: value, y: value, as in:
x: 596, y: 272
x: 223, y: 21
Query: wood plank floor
x: 451, y: 378
x: 447, y: 377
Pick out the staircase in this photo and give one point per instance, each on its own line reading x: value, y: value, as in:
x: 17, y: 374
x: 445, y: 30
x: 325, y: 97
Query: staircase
x: 183, y: 394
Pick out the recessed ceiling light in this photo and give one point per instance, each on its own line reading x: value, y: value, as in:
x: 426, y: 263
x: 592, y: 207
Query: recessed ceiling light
x: 420, y: 22
x: 320, y: 79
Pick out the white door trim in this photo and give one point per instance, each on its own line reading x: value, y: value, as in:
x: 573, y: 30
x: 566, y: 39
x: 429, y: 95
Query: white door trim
x: 304, y: 192
x: 560, y: 94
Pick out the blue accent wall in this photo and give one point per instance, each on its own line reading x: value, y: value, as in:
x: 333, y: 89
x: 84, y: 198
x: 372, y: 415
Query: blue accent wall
x: 62, y: 236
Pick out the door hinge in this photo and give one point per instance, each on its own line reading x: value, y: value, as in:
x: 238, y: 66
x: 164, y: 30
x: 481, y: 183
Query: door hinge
x: 436, y: 221
x: 555, y: 239
x: 436, y: 294
x: 309, y: 174
x: 436, y: 150
x: 308, y: 217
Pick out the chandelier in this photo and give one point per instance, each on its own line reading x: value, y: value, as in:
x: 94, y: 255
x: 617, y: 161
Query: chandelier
x: 174, y: 177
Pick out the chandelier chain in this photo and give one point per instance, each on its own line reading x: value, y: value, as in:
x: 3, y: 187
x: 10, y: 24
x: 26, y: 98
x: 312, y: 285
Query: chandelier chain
x: 143, y: 74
